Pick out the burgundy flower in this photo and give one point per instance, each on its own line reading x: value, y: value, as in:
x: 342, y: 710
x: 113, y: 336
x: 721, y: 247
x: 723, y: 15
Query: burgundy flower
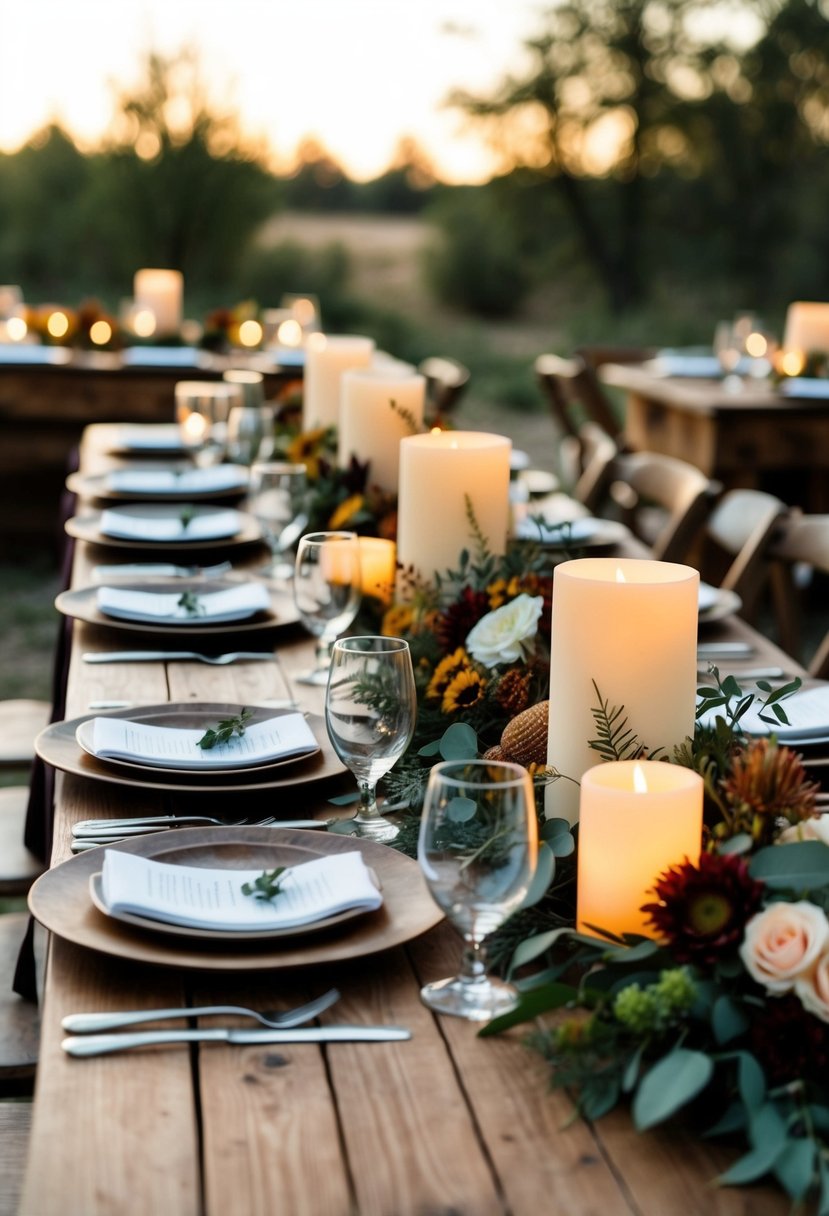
x: 455, y: 622
x: 788, y: 1041
x: 702, y: 910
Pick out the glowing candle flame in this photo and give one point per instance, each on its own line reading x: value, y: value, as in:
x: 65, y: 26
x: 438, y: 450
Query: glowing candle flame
x: 620, y: 577
x: 640, y: 784
x: 58, y: 324
x: 100, y: 332
x: 17, y: 329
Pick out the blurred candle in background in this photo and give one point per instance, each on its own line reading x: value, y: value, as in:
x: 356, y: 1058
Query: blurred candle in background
x: 377, y: 567
x: 443, y: 476
x: 631, y: 626
x: 638, y: 817
x: 379, y: 405
x: 327, y: 357
x: 807, y: 328
x: 160, y: 292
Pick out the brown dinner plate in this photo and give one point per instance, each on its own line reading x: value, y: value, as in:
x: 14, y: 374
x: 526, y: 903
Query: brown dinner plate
x: 96, y: 486
x: 88, y: 527
x: 60, y: 900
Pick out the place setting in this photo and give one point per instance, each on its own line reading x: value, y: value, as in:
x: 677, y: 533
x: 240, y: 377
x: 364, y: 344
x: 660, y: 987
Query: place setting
x: 196, y: 607
x: 155, y: 527
x: 162, y: 482
x: 716, y: 603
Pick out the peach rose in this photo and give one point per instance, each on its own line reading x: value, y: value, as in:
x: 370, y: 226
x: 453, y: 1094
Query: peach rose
x: 813, y: 989
x: 783, y: 942
x: 816, y: 828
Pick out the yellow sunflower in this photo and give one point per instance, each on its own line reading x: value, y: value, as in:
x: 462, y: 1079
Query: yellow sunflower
x: 345, y: 511
x: 447, y: 668
x: 463, y: 691
x: 305, y: 449
x: 397, y: 621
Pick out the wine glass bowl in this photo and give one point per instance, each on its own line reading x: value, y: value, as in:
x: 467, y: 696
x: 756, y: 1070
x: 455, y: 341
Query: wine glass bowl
x: 276, y: 499
x: 370, y: 713
x: 327, y: 592
x: 477, y: 850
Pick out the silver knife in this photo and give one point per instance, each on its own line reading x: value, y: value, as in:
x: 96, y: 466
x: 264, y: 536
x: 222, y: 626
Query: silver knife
x: 167, y: 656
x: 102, y: 1044
x: 724, y: 650
x: 87, y: 831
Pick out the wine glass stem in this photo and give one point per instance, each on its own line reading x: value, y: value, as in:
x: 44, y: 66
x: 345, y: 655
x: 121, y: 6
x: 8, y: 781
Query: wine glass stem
x: 322, y: 654
x: 473, y: 963
x: 367, y: 812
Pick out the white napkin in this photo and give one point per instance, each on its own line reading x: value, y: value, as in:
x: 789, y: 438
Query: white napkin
x: 204, y: 525
x: 147, y: 438
x: 804, y: 386
x: 676, y: 363
x: 807, y: 711
x: 277, y: 738
x: 162, y: 356
x: 229, y: 604
x: 708, y: 596
x: 188, y: 481
x: 212, y: 899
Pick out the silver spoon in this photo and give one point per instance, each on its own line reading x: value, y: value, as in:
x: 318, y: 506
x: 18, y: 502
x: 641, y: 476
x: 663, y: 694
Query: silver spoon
x: 90, y: 1023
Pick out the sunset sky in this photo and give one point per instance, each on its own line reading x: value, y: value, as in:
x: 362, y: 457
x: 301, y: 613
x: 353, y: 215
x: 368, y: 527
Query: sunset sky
x: 356, y: 74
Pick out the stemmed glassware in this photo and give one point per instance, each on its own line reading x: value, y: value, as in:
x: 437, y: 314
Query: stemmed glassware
x: 327, y: 592
x: 276, y: 499
x: 370, y: 712
x: 197, y: 421
x: 477, y: 850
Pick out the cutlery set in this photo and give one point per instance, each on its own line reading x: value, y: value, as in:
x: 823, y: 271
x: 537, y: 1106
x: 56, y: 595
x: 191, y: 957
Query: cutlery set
x: 174, y: 656
x: 87, y: 1035
x: 90, y: 833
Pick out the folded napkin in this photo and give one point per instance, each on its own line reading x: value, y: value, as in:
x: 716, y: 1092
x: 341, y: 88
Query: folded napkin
x: 229, y: 604
x: 707, y: 597
x: 146, y: 438
x: 28, y: 352
x: 805, y: 386
x: 204, y: 525
x: 188, y: 481
x: 280, y: 738
x: 213, y: 899
x: 686, y: 364
x: 162, y: 356
x: 807, y: 711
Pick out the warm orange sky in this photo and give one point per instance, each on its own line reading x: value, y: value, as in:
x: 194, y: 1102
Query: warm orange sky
x: 357, y: 74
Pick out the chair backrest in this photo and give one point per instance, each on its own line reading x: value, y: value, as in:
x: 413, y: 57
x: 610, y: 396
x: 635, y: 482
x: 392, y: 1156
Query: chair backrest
x: 740, y: 532
x: 801, y: 539
x: 663, y: 500
x: 446, y: 382
x: 575, y: 395
x: 598, y: 453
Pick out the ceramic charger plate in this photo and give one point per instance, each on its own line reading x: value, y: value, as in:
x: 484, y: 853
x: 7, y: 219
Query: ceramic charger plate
x: 60, y: 900
x: 88, y: 527
x: 98, y: 486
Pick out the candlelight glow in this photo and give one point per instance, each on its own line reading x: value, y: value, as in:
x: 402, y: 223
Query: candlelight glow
x: 792, y: 362
x: 144, y: 323
x: 58, y: 324
x: 289, y: 333
x: 304, y: 311
x: 16, y: 328
x: 250, y: 333
x: 100, y: 333
x: 317, y: 342
x: 620, y: 575
x: 756, y: 345
x: 640, y: 783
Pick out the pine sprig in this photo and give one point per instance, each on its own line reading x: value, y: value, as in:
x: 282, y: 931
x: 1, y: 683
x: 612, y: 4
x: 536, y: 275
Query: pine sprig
x: 267, y: 886
x: 224, y: 732
x: 407, y: 416
x: 191, y: 603
x: 616, y: 740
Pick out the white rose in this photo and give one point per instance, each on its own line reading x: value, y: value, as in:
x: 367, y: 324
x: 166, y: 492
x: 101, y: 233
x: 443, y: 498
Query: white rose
x: 813, y: 989
x: 502, y: 636
x: 808, y: 829
x: 783, y: 942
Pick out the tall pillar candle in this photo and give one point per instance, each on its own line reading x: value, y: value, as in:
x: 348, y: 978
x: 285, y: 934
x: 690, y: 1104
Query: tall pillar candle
x: 445, y: 476
x: 327, y: 357
x: 161, y: 292
x: 637, y: 819
x: 807, y: 327
x: 379, y: 406
x: 630, y: 626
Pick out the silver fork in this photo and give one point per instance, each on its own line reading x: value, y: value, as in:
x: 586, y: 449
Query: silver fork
x: 160, y: 570
x: 131, y: 827
x: 168, y: 656
x: 90, y: 1023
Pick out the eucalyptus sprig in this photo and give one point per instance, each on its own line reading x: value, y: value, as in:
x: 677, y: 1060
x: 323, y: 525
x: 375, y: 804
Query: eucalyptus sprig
x: 226, y: 729
x: 186, y: 515
x: 191, y: 603
x: 267, y: 886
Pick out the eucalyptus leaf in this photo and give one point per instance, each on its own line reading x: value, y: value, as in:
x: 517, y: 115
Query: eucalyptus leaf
x: 532, y: 947
x: 728, y: 1020
x: 801, y: 866
x: 734, y: 1119
x: 345, y: 799
x: 460, y: 809
x: 633, y: 954
x: 741, y: 843
x: 458, y: 742
x: 795, y: 1167
x: 562, y: 846
x: 669, y: 1085
x: 766, y: 1130
x: 545, y: 872
x: 749, y: 1168
x: 631, y: 1074
x: 530, y: 1005
x: 751, y: 1081
x: 430, y: 749
x: 599, y: 1096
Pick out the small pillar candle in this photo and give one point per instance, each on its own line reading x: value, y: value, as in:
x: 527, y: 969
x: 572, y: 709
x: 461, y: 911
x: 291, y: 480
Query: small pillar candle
x: 444, y: 476
x: 637, y: 819
x: 807, y: 328
x: 327, y: 357
x: 379, y: 405
x: 630, y: 626
x: 377, y: 565
x: 161, y: 292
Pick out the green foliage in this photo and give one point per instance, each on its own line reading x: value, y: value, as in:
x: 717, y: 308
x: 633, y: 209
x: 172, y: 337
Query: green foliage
x: 224, y: 732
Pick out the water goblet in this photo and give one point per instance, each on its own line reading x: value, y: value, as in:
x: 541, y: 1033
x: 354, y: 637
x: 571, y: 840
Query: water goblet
x: 276, y: 499
x: 477, y: 849
x: 370, y: 712
x: 196, y: 418
x: 249, y: 432
x: 326, y: 592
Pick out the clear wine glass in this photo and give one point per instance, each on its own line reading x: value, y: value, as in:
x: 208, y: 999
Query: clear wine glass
x: 477, y: 850
x: 327, y: 592
x: 370, y: 712
x: 277, y: 500
x: 249, y: 432
x: 728, y: 348
x: 196, y: 418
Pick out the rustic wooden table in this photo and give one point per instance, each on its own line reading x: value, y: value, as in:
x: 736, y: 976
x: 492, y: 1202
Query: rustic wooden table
x: 754, y: 437
x: 444, y: 1123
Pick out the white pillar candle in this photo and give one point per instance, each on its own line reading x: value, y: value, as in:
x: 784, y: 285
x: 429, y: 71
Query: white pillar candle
x: 630, y: 626
x: 637, y: 818
x: 161, y: 292
x: 444, y: 476
x: 807, y: 328
x: 327, y: 356
x: 379, y: 406
x: 377, y: 566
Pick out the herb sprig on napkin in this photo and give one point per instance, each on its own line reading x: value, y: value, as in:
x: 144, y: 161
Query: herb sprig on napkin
x: 227, y: 728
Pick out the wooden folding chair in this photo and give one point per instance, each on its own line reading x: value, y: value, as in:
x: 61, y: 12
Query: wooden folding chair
x: 738, y: 536
x: 802, y: 540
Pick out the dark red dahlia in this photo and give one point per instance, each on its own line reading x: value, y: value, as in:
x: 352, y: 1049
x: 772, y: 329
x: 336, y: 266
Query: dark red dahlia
x: 454, y: 623
x: 703, y: 909
x: 788, y: 1041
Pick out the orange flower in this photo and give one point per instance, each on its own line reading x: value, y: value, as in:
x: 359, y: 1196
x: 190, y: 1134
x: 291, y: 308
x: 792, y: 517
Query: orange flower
x: 346, y: 511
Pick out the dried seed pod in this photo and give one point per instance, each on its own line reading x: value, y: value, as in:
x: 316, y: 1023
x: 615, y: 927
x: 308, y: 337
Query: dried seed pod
x: 494, y: 753
x: 524, y: 739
